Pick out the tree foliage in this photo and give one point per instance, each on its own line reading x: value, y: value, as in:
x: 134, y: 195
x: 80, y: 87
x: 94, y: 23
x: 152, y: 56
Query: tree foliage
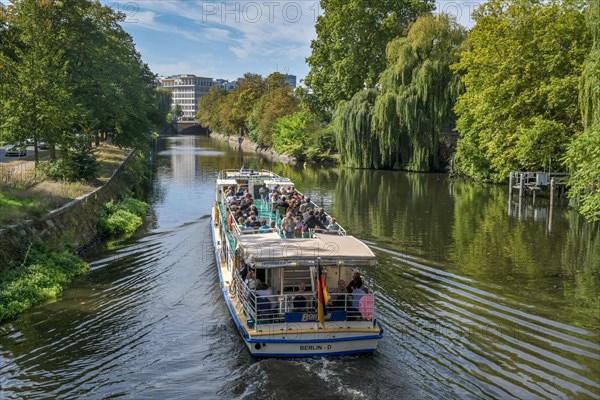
x: 357, y: 145
x: 521, y: 67
x: 252, y: 108
x: 418, y: 92
x: 583, y: 155
x: 240, y: 102
x: 209, y: 107
x: 289, y: 133
x: 68, y: 65
x: 349, y: 52
x: 275, y: 103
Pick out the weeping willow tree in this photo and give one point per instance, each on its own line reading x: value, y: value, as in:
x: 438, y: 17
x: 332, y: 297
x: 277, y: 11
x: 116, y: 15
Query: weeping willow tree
x: 589, y: 85
x: 583, y: 154
x: 357, y: 146
x: 418, y: 92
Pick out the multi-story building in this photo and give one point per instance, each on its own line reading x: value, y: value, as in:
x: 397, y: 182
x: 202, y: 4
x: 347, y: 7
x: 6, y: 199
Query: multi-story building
x: 225, y: 84
x: 186, y: 90
x: 291, y: 80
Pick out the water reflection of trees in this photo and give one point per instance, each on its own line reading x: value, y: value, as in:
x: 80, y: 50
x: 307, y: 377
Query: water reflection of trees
x: 581, y: 266
x: 467, y: 227
x: 524, y: 256
x: 404, y: 211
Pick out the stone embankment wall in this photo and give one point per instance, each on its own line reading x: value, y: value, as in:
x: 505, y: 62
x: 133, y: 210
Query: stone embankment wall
x: 74, y: 223
x: 237, y: 142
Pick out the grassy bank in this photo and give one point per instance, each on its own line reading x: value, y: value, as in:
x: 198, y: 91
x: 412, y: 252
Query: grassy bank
x: 25, y: 193
x: 38, y: 275
x: 38, y: 278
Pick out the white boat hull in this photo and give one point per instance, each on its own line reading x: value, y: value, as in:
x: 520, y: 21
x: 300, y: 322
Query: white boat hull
x: 313, y: 348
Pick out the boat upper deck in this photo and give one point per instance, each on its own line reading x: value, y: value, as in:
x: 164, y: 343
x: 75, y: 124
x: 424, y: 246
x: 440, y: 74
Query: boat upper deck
x: 269, y: 250
x: 248, y: 181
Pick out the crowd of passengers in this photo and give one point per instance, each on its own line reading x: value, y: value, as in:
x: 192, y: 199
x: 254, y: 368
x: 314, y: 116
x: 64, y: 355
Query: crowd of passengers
x: 345, y: 297
x: 299, y: 214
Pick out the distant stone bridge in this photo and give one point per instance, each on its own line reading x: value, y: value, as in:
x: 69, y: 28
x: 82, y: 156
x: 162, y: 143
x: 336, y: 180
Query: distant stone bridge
x: 190, y: 128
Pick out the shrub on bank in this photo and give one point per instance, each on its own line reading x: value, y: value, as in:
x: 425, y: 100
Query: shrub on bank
x: 122, y: 219
x: 40, y: 278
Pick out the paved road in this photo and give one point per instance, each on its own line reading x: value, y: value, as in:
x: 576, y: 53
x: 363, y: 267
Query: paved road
x: 4, y: 158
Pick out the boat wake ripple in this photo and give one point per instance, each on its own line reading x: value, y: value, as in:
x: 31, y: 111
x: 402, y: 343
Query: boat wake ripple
x: 459, y: 339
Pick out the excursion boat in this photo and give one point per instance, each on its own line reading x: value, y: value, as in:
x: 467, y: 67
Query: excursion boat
x: 281, y: 292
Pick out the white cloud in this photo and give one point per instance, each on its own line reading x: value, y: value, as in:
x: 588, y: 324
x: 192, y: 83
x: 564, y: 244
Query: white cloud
x: 249, y: 28
x: 239, y: 34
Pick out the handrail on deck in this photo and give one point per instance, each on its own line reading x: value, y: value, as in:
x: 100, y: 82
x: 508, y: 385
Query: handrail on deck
x: 273, y: 309
x: 236, y: 173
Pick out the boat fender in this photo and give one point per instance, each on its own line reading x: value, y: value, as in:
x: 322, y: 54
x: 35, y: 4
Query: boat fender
x: 216, y: 214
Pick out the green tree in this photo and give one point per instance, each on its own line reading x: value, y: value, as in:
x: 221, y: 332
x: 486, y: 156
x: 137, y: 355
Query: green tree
x: 34, y: 97
x: 275, y: 103
x: 583, y: 155
x: 289, y: 135
x: 177, y: 111
x: 357, y: 145
x: 521, y: 69
x: 164, y: 100
x: 418, y: 92
x: 239, y: 103
x: 208, y: 108
x: 349, y: 52
x: 68, y: 65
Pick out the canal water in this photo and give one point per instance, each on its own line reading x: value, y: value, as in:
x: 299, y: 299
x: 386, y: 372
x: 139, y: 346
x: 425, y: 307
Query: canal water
x: 477, y: 300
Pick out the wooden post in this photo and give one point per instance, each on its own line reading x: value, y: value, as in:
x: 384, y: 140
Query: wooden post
x: 551, y: 192
x: 522, y: 185
x: 510, y: 185
x: 551, y: 205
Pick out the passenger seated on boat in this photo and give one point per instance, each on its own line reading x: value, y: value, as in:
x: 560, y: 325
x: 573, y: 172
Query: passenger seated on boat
x: 308, y: 204
x: 264, y: 303
x: 240, y: 221
x: 247, y: 202
x: 339, y: 296
x: 354, y: 282
x: 322, y: 217
x: 244, y: 272
x: 263, y: 226
x: 311, y: 223
x: 300, y: 301
x: 230, y: 198
x: 357, y: 294
x: 247, y: 226
x: 333, y: 226
x: 251, y: 280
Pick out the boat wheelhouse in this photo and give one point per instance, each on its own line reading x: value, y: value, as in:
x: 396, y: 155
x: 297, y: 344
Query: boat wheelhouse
x: 270, y: 282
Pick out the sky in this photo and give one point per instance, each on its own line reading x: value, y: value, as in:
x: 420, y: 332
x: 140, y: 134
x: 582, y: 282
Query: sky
x: 227, y: 38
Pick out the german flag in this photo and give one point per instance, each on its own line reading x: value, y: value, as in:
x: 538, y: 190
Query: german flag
x: 322, y: 296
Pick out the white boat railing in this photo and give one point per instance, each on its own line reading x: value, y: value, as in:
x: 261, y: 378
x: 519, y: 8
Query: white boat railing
x: 299, y: 306
x: 246, y: 173
x: 302, y: 307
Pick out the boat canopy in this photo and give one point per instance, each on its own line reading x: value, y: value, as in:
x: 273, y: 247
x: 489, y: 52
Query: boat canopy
x: 229, y: 182
x: 269, y: 250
